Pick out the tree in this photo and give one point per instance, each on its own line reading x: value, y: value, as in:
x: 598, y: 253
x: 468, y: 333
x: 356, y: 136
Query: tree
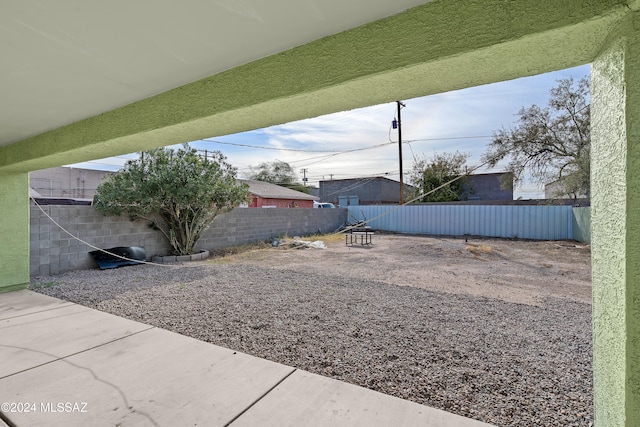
x: 428, y: 174
x: 177, y: 191
x: 551, y: 143
x: 279, y: 173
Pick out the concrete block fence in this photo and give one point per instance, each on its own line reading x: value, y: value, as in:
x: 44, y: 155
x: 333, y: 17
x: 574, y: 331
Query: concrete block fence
x: 53, y: 251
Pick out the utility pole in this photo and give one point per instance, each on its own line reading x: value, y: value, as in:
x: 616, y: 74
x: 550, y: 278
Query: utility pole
x: 398, y: 124
x: 304, y: 176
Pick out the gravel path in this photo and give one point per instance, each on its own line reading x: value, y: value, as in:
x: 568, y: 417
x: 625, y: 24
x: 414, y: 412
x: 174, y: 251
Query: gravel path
x: 500, y: 362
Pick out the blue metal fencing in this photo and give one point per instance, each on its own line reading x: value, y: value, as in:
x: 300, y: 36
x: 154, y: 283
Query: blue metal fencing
x: 525, y: 222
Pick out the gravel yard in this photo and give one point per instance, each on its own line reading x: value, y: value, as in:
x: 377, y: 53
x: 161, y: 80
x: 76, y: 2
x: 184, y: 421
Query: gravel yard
x: 495, y: 330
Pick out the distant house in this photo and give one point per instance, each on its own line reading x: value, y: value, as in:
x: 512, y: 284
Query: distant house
x: 65, y: 182
x: 558, y: 190
x: 382, y: 191
x: 489, y: 186
x: 362, y: 191
x: 267, y: 195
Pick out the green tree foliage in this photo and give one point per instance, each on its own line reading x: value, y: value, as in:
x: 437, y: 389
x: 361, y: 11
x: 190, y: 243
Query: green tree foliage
x: 427, y: 174
x: 551, y: 143
x: 177, y: 191
x: 279, y: 173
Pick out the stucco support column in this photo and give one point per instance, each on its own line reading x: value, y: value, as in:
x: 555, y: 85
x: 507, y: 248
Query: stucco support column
x: 615, y: 183
x: 14, y: 231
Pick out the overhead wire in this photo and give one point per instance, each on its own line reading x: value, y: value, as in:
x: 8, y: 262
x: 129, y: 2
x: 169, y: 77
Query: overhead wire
x: 262, y: 147
x: 321, y: 177
x: 448, y: 138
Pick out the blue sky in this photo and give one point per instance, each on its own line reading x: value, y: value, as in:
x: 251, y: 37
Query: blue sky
x: 462, y: 120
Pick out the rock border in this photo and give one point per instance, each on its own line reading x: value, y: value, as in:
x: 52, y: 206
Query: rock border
x: 180, y: 258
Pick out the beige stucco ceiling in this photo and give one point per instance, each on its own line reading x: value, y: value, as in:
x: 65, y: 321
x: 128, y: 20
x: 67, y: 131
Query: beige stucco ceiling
x: 66, y: 60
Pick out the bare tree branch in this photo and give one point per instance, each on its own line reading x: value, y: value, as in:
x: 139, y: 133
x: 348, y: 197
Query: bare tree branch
x: 549, y: 142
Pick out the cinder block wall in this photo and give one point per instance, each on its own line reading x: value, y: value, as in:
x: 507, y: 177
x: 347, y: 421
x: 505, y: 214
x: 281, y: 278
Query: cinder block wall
x: 53, y: 251
x: 242, y: 226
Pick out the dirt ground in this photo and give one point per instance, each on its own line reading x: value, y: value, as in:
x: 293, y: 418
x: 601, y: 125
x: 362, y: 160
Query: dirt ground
x: 519, y: 271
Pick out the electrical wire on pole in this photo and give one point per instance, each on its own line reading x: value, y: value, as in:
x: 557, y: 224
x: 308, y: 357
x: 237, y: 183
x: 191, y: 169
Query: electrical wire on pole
x: 398, y: 124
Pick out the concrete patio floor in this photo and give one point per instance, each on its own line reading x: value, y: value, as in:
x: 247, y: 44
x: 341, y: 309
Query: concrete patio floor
x: 65, y: 364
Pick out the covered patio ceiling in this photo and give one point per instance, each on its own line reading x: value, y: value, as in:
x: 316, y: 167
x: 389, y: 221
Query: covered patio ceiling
x: 68, y: 60
x: 82, y: 80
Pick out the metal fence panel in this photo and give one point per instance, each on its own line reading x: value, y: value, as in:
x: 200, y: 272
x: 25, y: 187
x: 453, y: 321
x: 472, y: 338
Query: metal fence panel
x: 582, y: 224
x: 525, y: 222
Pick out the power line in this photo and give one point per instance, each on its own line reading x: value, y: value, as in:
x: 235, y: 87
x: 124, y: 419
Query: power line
x: 334, y: 176
x: 262, y: 147
x: 331, y: 153
x: 338, y: 152
x: 448, y: 138
x: 322, y: 158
